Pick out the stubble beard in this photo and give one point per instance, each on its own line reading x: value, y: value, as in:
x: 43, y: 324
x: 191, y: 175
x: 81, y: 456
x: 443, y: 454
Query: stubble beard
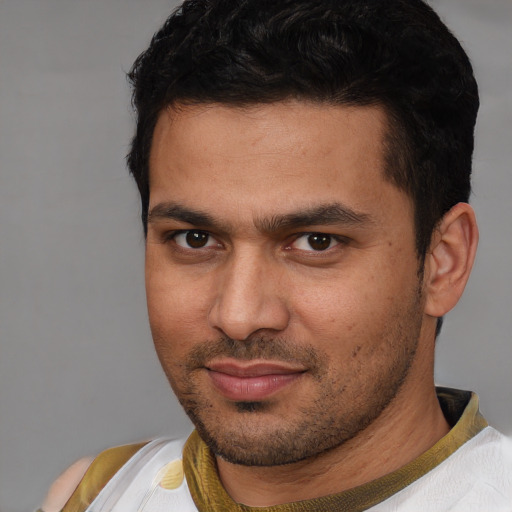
x: 343, y: 407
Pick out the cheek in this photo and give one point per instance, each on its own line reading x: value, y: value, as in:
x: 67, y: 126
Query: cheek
x: 335, y: 297
x: 352, y: 309
x: 176, y: 309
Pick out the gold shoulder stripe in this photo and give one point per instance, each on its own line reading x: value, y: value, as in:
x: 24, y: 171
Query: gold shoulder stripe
x: 102, y: 469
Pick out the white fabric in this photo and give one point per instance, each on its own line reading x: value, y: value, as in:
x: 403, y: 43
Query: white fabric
x: 135, y: 487
x: 476, y: 478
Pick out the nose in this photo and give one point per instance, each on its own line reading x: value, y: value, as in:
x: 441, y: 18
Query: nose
x: 249, y: 298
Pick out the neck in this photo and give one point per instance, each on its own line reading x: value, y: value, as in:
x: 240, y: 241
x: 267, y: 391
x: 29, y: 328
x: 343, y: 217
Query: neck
x: 409, y: 426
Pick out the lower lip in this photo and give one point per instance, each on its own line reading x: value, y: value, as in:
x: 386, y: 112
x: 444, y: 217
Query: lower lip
x: 250, y: 389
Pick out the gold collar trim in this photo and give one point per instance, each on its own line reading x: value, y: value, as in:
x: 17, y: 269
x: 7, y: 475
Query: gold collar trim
x: 459, y: 407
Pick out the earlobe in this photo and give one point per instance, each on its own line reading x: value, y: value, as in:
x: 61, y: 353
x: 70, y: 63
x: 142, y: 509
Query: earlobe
x: 450, y: 259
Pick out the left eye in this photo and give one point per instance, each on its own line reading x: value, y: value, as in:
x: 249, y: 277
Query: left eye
x: 315, y: 242
x: 194, y: 239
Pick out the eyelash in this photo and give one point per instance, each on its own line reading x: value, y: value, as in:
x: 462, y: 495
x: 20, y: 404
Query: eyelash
x: 171, y: 236
x: 323, y: 237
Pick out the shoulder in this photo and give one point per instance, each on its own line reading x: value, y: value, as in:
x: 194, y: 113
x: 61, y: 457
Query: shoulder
x: 483, y: 471
x: 75, y: 489
x: 478, y: 476
x: 63, y: 487
x: 483, y: 464
x: 492, y: 453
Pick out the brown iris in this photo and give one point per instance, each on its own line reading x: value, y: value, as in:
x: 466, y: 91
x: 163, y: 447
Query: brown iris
x: 319, y: 242
x: 197, y: 239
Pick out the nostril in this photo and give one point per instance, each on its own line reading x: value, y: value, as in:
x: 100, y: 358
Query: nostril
x: 239, y: 319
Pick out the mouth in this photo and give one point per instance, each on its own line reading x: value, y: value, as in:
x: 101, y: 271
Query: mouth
x: 251, y: 381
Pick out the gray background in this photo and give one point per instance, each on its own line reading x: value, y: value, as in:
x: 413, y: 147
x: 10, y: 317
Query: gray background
x: 77, y: 369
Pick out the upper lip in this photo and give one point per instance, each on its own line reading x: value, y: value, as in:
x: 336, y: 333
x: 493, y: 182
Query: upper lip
x: 253, y: 368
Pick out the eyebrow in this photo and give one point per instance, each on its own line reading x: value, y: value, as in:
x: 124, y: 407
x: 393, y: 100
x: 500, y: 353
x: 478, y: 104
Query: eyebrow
x: 322, y: 215
x: 174, y: 211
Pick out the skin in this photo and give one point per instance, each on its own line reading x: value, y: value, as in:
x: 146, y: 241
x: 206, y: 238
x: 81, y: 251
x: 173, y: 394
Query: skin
x: 237, y: 286
x: 62, y: 489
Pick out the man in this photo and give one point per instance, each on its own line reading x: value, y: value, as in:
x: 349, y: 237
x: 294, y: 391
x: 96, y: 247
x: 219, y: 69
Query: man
x: 304, y: 170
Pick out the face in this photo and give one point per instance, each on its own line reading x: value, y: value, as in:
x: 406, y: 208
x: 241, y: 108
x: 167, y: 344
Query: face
x: 281, y: 273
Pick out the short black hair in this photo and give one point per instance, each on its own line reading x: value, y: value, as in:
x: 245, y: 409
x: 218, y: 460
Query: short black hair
x: 396, y: 54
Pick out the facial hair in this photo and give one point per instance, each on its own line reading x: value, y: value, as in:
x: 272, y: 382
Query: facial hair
x: 342, y: 407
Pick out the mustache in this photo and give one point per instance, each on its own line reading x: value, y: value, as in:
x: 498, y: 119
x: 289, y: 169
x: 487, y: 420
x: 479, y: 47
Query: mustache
x: 255, y: 347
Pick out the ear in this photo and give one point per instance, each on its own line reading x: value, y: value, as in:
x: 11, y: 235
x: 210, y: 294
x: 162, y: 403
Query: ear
x: 450, y: 259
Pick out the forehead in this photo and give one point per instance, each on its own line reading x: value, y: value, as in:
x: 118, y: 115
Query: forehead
x: 282, y: 126
x: 269, y: 157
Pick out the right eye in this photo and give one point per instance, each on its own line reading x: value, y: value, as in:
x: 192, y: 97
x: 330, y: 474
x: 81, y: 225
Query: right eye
x: 194, y: 239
